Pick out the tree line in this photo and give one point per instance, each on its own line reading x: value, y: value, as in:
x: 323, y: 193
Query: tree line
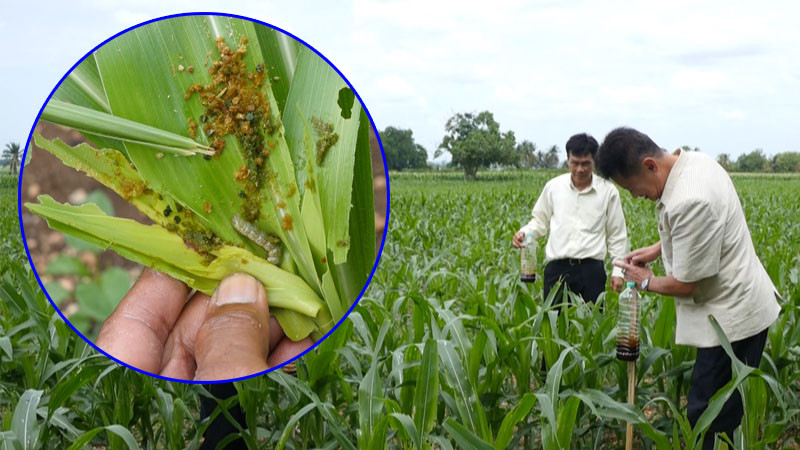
x: 757, y: 161
x: 475, y: 141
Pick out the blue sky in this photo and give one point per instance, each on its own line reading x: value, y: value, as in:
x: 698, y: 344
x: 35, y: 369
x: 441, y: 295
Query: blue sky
x: 715, y: 76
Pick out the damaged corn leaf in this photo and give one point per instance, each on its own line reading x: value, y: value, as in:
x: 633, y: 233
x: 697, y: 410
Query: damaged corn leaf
x: 223, y: 83
x: 334, y: 118
x: 167, y: 252
x: 227, y: 104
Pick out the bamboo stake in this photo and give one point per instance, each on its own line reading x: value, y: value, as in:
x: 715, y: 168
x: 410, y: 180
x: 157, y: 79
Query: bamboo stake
x: 631, y: 395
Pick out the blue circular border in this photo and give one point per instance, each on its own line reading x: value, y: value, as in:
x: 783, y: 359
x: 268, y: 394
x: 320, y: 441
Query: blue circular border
x: 385, y: 171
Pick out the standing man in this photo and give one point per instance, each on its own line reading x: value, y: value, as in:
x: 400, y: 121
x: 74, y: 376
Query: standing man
x: 584, y: 216
x: 710, y: 262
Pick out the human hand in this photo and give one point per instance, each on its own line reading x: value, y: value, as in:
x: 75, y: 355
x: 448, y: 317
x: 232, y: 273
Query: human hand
x: 637, y: 274
x: 228, y: 335
x: 616, y: 284
x: 516, y: 241
x: 644, y: 255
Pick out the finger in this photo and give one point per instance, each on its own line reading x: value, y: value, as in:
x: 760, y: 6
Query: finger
x: 233, y: 340
x: 136, y: 331
x: 179, y: 360
x: 275, y: 333
x: 288, y: 349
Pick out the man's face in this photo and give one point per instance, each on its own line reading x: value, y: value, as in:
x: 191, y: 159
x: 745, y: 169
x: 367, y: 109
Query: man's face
x: 581, y: 168
x: 640, y: 185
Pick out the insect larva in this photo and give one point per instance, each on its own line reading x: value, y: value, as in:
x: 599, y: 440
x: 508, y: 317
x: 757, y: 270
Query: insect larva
x: 269, y: 242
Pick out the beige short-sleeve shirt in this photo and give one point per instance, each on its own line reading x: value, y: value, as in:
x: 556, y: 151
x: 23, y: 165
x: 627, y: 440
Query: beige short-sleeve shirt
x: 705, y: 239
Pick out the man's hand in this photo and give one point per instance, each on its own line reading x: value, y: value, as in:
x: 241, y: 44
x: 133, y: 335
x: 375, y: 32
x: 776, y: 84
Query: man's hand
x: 616, y: 284
x: 517, y: 240
x: 228, y: 335
x: 642, y: 256
x: 637, y: 274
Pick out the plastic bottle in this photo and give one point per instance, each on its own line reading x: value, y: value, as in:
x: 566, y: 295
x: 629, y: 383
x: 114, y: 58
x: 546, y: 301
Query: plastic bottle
x: 528, y: 259
x: 628, y: 324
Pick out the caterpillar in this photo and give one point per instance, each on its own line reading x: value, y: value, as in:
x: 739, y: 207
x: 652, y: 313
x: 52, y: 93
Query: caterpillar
x: 269, y: 242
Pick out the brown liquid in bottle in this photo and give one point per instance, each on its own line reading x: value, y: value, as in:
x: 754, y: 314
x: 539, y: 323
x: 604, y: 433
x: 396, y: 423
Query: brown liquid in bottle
x: 628, y: 348
x: 528, y: 278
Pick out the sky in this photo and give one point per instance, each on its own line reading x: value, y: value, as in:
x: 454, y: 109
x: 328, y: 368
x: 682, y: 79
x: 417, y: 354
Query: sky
x: 715, y: 75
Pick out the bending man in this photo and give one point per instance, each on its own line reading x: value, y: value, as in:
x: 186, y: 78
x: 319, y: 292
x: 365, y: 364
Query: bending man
x: 710, y: 262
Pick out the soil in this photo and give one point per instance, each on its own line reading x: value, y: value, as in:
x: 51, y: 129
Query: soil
x: 46, y: 174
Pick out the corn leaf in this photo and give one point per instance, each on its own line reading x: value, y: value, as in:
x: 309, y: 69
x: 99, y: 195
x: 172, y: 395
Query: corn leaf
x: 352, y: 275
x: 280, y: 51
x: 335, y: 168
x: 83, y: 87
x: 107, y: 125
x: 166, y: 252
x: 426, y: 397
x: 23, y: 422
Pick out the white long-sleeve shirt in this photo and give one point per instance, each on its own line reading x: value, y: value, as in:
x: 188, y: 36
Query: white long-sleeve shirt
x: 582, y: 224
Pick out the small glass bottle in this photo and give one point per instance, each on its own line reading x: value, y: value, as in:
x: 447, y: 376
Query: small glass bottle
x: 628, y: 324
x: 528, y: 259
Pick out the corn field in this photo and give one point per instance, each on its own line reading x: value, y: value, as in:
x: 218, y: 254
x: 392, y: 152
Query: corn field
x: 444, y: 350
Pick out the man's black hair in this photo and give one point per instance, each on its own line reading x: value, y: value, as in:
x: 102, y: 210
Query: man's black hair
x: 581, y: 145
x: 622, y: 152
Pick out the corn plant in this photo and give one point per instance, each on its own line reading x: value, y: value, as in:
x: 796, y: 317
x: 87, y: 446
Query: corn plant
x: 465, y: 368
x: 247, y: 151
x: 445, y: 300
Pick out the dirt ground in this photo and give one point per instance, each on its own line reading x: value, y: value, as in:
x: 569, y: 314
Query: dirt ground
x: 45, y: 174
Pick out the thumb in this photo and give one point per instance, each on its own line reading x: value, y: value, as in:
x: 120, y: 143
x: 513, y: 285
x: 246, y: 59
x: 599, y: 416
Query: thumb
x: 233, y: 340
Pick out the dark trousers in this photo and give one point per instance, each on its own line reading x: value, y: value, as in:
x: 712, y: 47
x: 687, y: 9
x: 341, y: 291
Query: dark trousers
x: 220, y: 426
x: 712, y: 371
x: 586, y: 277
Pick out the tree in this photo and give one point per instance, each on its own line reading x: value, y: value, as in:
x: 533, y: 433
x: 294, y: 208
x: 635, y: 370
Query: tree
x: 475, y: 141
x: 686, y: 148
x: 724, y: 160
x: 754, y: 161
x: 12, y: 154
x: 401, y: 150
x: 786, y: 162
x: 550, y: 159
x: 527, y: 154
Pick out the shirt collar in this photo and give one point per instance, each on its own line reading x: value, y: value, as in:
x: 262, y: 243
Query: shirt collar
x: 673, y: 178
x: 592, y: 184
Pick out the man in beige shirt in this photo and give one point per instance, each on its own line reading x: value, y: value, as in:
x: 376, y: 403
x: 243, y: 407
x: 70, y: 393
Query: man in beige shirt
x: 710, y: 262
x: 584, y: 216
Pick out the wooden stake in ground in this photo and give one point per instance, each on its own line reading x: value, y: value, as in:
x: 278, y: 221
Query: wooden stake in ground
x: 631, y: 396
x: 628, y: 344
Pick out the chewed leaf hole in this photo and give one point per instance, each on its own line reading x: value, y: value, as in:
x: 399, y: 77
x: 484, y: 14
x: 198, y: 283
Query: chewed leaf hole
x: 345, y: 102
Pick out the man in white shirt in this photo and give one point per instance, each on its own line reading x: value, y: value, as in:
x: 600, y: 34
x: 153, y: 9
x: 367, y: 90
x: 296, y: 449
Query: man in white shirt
x: 710, y: 262
x: 584, y: 217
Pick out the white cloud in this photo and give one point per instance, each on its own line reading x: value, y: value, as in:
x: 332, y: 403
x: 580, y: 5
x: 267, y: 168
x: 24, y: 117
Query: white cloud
x: 545, y: 68
x: 734, y: 114
x: 394, y: 88
x: 127, y: 18
x: 701, y: 80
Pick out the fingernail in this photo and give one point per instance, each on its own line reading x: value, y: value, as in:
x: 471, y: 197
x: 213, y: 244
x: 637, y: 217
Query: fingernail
x: 236, y: 289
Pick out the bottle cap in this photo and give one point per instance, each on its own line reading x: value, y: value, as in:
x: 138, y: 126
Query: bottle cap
x: 631, y: 284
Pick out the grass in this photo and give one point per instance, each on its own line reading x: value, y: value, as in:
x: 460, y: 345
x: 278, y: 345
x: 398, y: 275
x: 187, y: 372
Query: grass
x: 443, y: 351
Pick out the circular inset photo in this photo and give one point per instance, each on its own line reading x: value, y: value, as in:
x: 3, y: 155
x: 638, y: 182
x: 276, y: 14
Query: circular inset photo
x: 205, y: 198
